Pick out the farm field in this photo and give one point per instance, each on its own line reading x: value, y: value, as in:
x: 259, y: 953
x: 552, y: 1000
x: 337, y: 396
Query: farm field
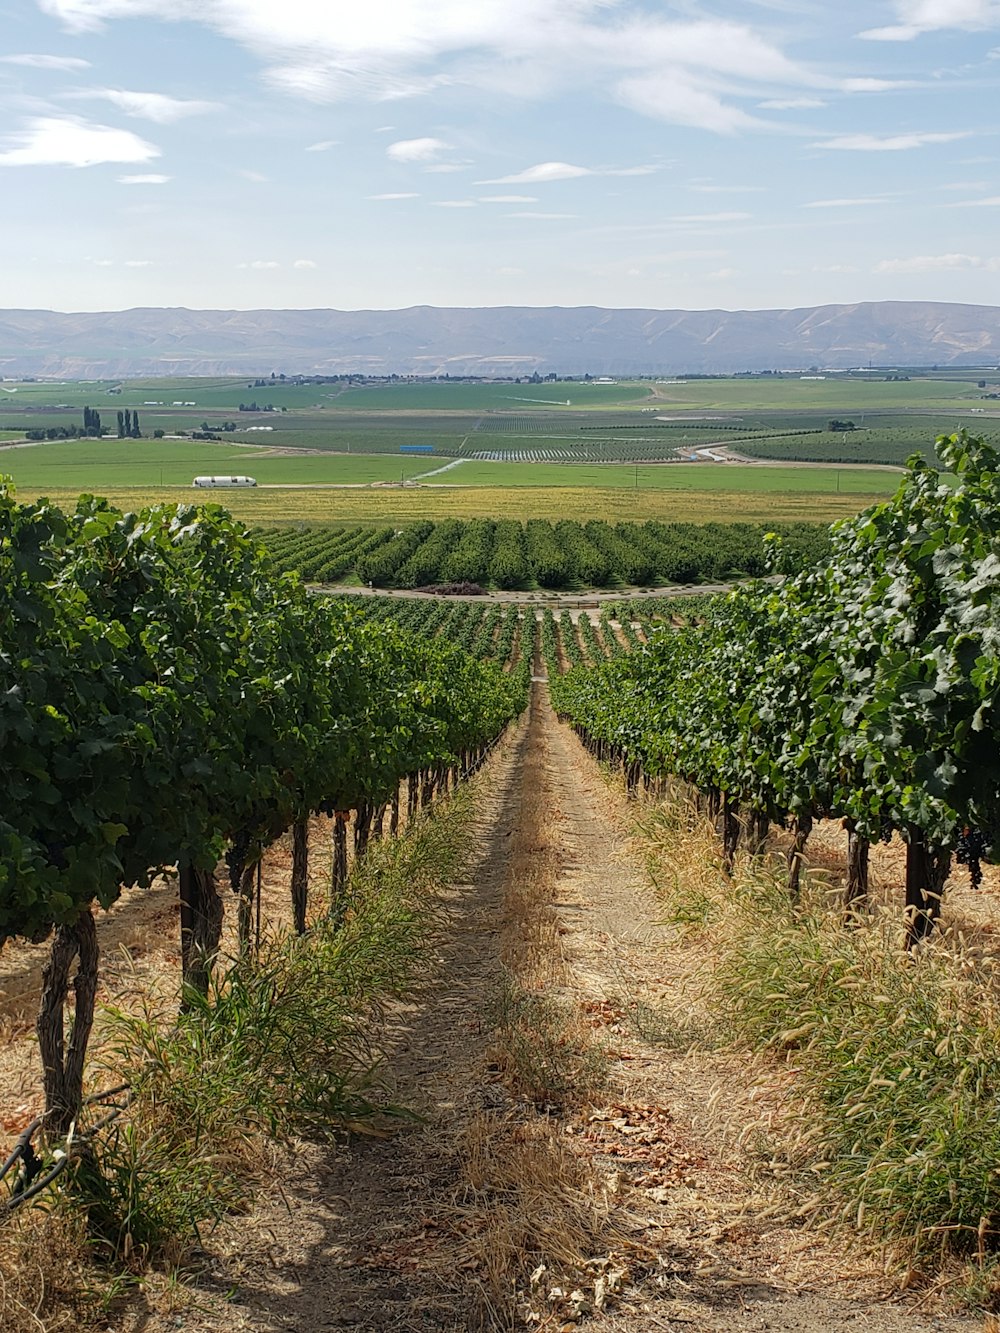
x: 396, y: 505
x: 98, y: 465
x: 675, y: 477
x: 626, y: 421
x: 448, y: 990
x: 480, y: 554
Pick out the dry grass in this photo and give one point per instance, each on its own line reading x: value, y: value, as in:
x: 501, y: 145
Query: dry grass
x: 44, y: 1278
x: 878, y: 1071
x: 543, y: 1232
x: 541, y: 1227
x: 383, y: 505
x: 541, y: 1041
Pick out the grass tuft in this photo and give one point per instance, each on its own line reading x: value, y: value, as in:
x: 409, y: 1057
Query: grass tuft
x: 283, y: 1045
x: 543, y: 1049
x: 891, y: 1121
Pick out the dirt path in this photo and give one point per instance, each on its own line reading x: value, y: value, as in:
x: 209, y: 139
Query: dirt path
x: 523, y: 1199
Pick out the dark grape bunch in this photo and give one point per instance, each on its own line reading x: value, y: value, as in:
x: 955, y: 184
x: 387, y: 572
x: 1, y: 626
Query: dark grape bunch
x: 970, y: 848
x: 236, y: 858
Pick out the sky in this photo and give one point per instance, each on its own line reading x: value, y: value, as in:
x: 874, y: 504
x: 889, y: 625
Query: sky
x: 387, y: 153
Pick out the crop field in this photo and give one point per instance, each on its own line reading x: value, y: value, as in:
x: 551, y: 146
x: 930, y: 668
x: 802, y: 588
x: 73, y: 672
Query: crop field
x: 98, y: 465
x: 598, y: 455
x: 675, y: 477
x: 396, y: 505
x: 514, y: 555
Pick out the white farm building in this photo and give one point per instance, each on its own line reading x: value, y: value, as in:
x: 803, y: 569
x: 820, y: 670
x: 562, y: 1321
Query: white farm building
x: 209, y: 482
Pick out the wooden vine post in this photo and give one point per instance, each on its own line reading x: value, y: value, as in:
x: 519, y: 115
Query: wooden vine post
x: 300, y: 874
x: 856, y: 892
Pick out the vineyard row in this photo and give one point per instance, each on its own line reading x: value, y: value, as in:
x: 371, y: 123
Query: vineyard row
x: 863, y: 689
x: 512, y: 555
x: 167, y: 700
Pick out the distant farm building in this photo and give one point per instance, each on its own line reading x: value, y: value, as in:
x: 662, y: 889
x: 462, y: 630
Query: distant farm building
x: 209, y: 482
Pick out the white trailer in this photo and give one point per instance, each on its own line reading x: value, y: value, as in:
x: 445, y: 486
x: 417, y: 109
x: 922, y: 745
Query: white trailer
x: 210, y: 482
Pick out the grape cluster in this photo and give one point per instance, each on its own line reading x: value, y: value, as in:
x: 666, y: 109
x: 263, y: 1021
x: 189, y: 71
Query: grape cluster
x: 970, y: 848
x: 236, y: 858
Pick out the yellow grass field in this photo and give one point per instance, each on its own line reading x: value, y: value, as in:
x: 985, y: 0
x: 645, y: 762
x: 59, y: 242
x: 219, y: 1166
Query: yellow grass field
x: 402, y: 505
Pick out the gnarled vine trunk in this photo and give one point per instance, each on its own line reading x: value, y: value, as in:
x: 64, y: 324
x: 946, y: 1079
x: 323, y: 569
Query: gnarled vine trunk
x: 62, y: 1060
x: 856, y: 892
x: 201, y: 926
x: 362, y: 827
x: 730, y: 832
x: 796, y: 853
x: 927, y: 869
x: 338, y: 866
x: 300, y: 874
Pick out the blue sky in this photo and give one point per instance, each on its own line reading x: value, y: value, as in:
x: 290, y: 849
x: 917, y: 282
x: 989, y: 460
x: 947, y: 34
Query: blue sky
x: 387, y: 153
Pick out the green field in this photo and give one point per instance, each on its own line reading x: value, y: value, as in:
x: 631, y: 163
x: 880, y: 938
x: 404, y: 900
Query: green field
x: 676, y: 477
x: 520, y: 447
x: 99, y: 466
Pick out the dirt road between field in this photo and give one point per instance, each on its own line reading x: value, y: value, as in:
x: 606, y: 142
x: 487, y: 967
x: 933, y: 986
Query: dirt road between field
x: 579, y: 1160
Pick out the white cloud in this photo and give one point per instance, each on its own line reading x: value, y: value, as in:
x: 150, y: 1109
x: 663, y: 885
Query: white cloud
x: 454, y: 203
x: 709, y: 187
x: 508, y: 199
x: 564, y: 171
x: 138, y: 263
x: 415, y: 150
x: 322, y: 146
x: 147, y: 178
x: 936, y: 263
x: 876, y: 85
x: 791, y: 103
x: 538, y: 175
x: 721, y: 274
x: 917, y: 17
x: 674, y: 96
x: 672, y: 68
x: 992, y: 202
x: 891, y: 143
x: 844, y: 203
x: 255, y: 177
x: 711, y: 217
x: 157, y: 107
x: 547, y: 217
x: 52, y: 141
x: 304, y: 263
x: 32, y: 60
x: 398, y: 194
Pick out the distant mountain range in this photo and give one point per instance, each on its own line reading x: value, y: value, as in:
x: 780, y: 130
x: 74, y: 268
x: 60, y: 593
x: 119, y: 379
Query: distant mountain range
x: 430, y: 340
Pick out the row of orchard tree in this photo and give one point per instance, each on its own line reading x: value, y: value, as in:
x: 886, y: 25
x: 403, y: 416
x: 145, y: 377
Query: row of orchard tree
x: 164, y: 697
x: 863, y: 689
